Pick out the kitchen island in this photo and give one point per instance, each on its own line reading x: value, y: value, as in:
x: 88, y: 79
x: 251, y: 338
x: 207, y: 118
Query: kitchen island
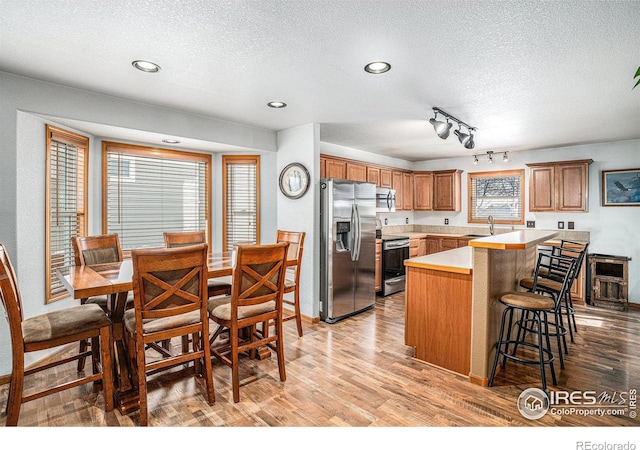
x: 452, y: 309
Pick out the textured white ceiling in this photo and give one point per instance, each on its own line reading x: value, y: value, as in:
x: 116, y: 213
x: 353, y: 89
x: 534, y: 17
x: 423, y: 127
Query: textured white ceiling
x: 528, y: 75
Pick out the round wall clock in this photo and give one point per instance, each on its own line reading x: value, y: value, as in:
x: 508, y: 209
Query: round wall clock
x: 294, y: 180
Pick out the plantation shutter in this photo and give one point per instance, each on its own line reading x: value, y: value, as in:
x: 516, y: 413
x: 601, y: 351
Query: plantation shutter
x: 65, y: 203
x: 150, y: 191
x: 241, y: 201
x: 497, y: 194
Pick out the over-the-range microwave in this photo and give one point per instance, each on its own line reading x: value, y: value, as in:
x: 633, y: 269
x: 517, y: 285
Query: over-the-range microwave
x: 385, y: 200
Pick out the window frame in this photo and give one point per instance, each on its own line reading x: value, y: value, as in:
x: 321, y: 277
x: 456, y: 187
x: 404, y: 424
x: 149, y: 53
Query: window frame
x: 139, y: 150
x: 238, y: 159
x: 495, y: 174
x: 82, y: 144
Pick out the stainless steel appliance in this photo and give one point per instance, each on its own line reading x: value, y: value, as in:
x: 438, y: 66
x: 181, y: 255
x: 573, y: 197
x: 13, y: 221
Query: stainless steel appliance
x: 385, y: 200
x: 347, y: 248
x: 395, y: 249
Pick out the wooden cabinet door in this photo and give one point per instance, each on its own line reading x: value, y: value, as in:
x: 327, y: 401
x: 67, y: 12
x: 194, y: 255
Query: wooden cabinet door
x: 373, y: 175
x: 542, y: 188
x: 407, y: 191
x: 356, y: 172
x: 448, y: 244
x: 572, y: 187
x: 446, y: 190
x: 323, y: 167
x: 423, y: 191
x: 378, y: 269
x: 422, y: 247
x: 385, y: 178
x: 397, y: 182
x: 414, y: 247
x: 433, y: 245
x: 335, y: 169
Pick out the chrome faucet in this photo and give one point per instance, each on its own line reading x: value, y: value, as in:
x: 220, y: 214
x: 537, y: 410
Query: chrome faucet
x: 490, y: 222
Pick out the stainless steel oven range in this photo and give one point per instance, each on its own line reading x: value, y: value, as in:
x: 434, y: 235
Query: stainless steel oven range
x: 395, y: 249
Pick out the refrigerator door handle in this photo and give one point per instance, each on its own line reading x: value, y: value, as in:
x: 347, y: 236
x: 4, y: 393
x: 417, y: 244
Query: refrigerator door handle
x: 353, y: 232
x: 358, y: 237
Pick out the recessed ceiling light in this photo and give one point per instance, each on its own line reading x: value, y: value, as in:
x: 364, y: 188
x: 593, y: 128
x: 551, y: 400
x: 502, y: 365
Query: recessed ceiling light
x: 170, y: 141
x: 277, y: 105
x: 145, y: 66
x: 377, y: 67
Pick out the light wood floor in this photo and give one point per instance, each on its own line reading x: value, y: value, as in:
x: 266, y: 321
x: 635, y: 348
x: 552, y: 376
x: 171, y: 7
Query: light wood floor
x: 358, y: 373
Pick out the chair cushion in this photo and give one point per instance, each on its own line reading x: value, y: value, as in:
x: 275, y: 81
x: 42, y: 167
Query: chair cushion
x: 64, y: 323
x: 527, y: 300
x: 214, y: 302
x: 219, y: 282
x: 223, y: 311
x: 543, y: 283
x: 156, y: 325
x: 289, y: 284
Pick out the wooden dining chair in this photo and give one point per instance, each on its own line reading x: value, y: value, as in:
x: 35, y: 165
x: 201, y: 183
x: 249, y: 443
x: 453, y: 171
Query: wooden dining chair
x: 91, y: 250
x: 292, y: 280
x: 256, y: 297
x: 48, y: 331
x: 170, y: 300
x: 217, y: 286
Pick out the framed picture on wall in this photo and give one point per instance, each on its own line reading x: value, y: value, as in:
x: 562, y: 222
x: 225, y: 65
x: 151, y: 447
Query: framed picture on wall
x: 621, y: 187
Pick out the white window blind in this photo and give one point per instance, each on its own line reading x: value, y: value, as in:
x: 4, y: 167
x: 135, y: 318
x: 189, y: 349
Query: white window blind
x: 241, y: 201
x: 150, y: 191
x: 497, y: 194
x: 66, y: 158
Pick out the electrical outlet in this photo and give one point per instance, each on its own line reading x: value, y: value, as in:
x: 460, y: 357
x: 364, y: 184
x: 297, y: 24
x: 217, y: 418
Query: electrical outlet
x: 446, y: 221
x: 386, y: 221
x: 570, y: 225
x: 560, y: 225
x: 531, y: 223
x: 406, y: 220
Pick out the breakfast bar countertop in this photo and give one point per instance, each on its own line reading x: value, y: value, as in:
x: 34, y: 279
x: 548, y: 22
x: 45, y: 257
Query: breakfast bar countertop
x: 457, y: 260
x: 516, y: 240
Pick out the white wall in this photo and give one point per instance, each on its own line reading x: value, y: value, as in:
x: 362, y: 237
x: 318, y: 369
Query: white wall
x: 22, y: 170
x: 301, y: 144
x: 613, y: 229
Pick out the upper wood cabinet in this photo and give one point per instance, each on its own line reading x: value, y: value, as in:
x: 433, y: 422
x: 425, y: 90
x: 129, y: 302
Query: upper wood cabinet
x: 407, y: 191
x: 385, y: 178
x: 559, y: 186
x: 397, y: 183
x: 356, y: 172
x: 335, y: 168
x: 446, y: 190
x: 423, y: 191
x: 373, y: 175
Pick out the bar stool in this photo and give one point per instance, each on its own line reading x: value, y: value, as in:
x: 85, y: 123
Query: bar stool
x: 572, y: 249
x: 534, y: 310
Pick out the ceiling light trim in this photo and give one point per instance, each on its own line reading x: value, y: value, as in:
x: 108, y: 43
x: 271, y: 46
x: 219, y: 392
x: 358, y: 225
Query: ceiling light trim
x: 377, y: 67
x: 277, y: 104
x: 145, y: 66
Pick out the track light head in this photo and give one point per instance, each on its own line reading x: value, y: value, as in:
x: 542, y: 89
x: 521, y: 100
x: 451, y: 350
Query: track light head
x: 490, y: 157
x: 442, y: 128
x: 465, y: 139
x: 475, y: 159
x: 505, y: 157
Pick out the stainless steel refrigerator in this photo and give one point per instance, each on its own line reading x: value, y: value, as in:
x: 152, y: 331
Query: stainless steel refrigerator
x: 347, y: 248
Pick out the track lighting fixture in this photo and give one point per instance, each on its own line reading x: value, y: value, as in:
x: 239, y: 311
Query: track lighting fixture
x: 505, y: 157
x: 443, y: 128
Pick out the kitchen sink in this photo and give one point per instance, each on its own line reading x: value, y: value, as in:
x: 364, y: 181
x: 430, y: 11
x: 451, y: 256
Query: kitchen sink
x: 476, y: 235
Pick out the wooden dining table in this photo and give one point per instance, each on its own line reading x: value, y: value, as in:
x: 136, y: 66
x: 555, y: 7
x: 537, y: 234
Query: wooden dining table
x: 115, y: 281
